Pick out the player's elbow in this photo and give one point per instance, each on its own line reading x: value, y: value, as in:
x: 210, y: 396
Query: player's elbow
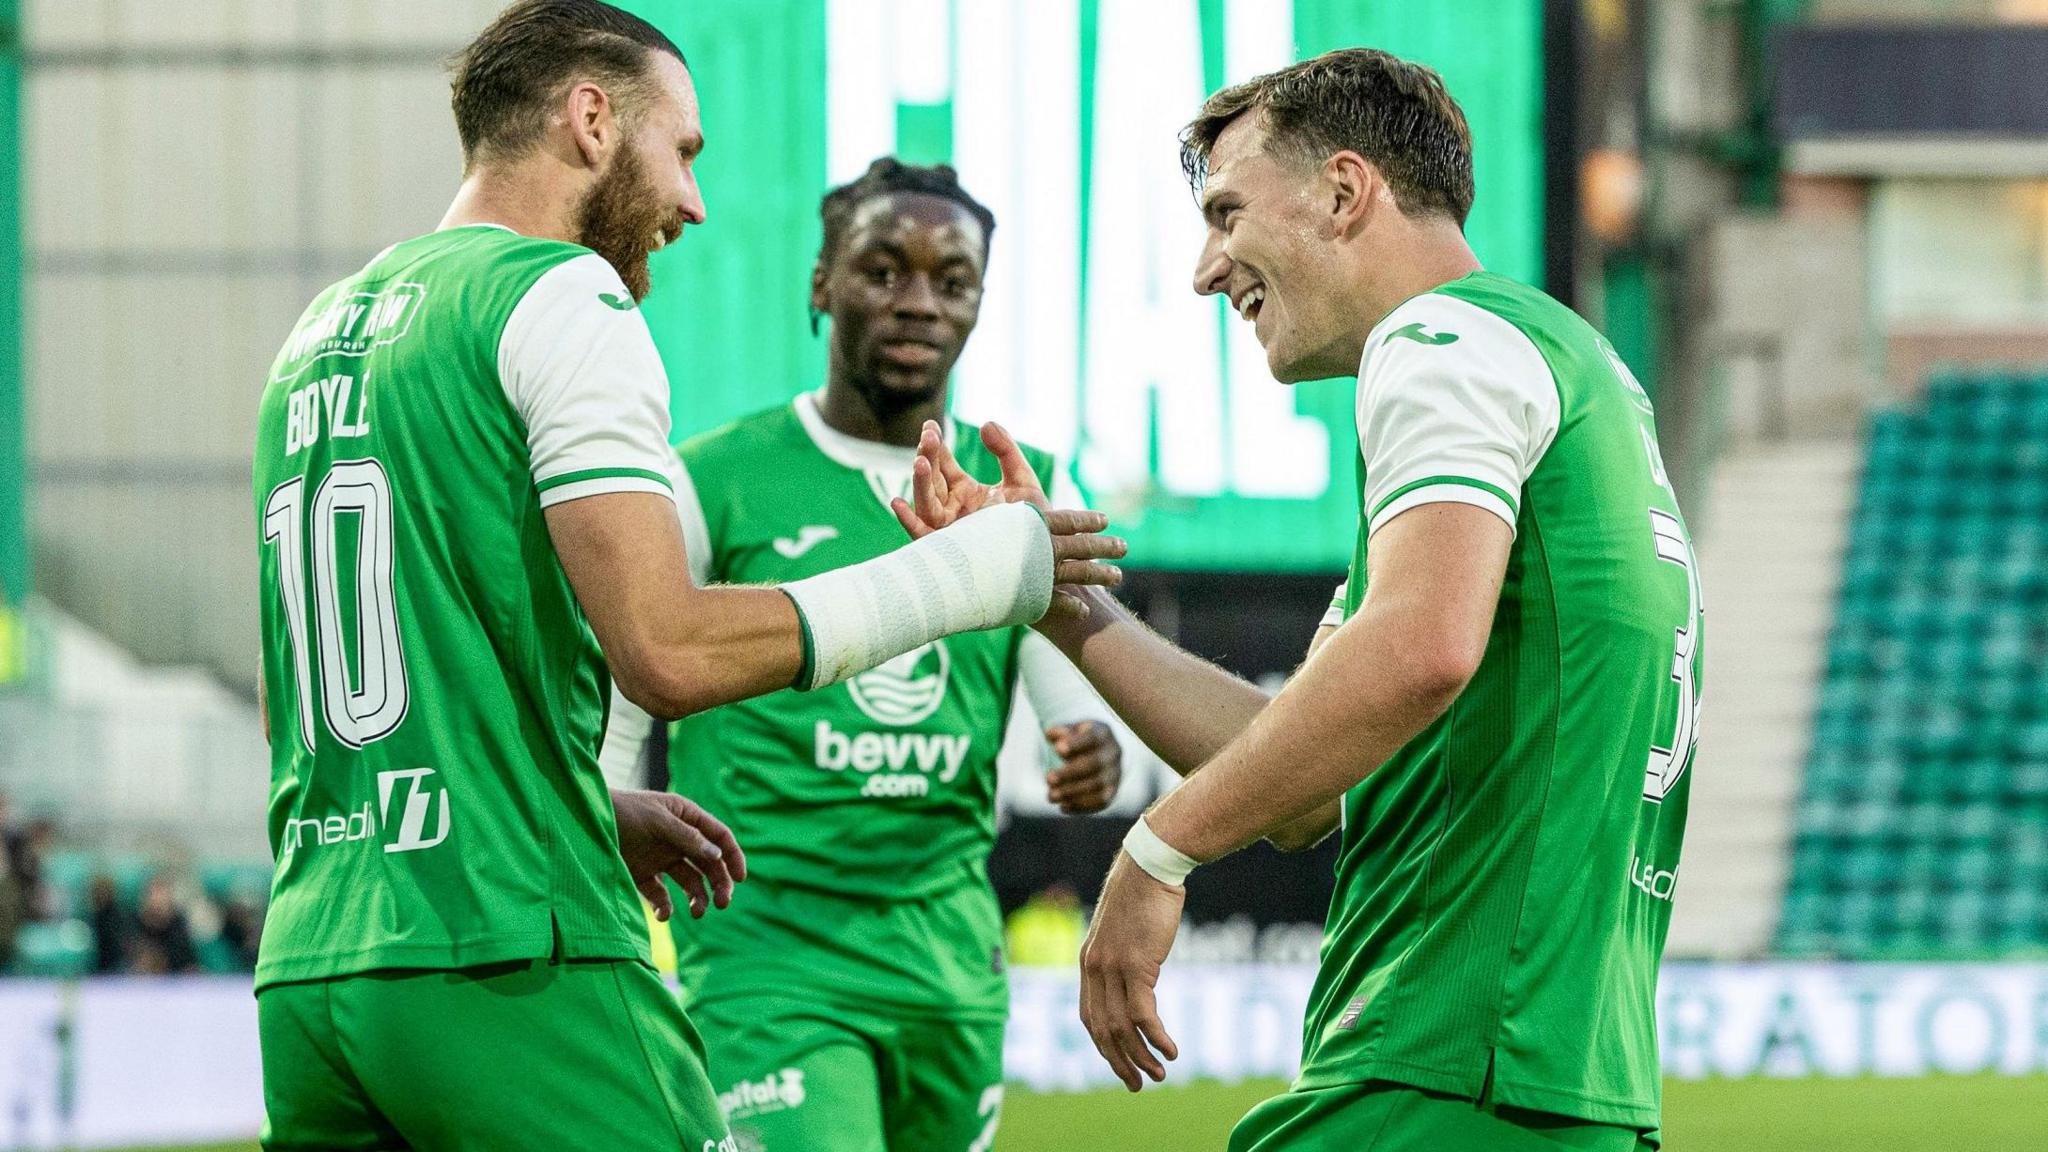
x: 668, y: 687
x: 1301, y: 838
x: 1440, y: 670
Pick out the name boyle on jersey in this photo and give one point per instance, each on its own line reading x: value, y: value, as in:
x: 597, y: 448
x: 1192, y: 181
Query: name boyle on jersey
x: 338, y: 404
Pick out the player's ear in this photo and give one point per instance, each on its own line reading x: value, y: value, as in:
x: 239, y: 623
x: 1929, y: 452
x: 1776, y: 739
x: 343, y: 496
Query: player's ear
x: 821, y: 300
x: 1349, y: 191
x: 592, y: 125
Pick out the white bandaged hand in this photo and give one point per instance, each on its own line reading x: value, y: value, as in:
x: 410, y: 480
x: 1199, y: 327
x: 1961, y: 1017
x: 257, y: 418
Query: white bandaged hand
x: 993, y: 569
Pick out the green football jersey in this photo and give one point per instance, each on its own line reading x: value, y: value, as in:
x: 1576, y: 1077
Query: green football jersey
x: 436, y: 698
x: 1504, y: 881
x: 881, y: 787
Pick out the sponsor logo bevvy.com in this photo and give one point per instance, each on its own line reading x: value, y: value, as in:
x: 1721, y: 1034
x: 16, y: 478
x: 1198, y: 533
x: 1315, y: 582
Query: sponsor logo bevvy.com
x: 373, y: 821
x: 900, y: 693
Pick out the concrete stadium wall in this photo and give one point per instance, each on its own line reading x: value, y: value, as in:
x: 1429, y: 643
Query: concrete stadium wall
x: 194, y: 173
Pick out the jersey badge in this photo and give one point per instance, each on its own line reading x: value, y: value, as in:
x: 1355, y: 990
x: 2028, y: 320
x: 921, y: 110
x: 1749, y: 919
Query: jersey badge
x: 904, y: 690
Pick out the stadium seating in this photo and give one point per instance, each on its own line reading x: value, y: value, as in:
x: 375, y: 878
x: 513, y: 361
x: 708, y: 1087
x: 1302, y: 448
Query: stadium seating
x: 63, y: 944
x: 1923, y: 828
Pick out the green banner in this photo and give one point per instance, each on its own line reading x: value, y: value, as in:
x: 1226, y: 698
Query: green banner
x: 14, y: 553
x: 1062, y: 116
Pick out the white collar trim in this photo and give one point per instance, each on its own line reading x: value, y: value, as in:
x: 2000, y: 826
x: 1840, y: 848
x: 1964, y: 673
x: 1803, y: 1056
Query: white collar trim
x: 852, y: 451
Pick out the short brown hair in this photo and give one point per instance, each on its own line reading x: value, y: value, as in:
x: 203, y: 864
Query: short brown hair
x: 1395, y: 113
x: 506, y: 79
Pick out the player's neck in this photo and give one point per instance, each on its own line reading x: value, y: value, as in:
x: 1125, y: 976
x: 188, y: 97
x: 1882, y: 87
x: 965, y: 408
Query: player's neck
x: 1421, y: 258
x: 517, y: 200
x: 865, y: 414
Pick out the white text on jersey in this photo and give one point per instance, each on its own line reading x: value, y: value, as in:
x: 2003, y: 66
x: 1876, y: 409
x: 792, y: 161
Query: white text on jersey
x: 324, y: 404
x: 896, y: 751
x: 1659, y: 883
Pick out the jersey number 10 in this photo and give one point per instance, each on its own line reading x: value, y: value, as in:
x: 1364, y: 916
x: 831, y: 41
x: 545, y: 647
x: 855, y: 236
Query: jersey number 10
x: 371, y: 704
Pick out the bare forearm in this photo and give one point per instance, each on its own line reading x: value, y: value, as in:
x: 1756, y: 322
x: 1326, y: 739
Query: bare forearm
x: 717, y: 645
x: 674, y: 648
x: 1183, y: 707
x: 1343, y: 716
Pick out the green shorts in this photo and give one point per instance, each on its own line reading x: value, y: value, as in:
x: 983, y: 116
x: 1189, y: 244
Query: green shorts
x: 1383, y: 1117
x: 795, y: 1075
x: 843, y: 1025
x: 526, y: 1055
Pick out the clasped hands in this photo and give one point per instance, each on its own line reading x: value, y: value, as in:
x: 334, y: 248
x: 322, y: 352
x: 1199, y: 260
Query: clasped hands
x: 944, y: 493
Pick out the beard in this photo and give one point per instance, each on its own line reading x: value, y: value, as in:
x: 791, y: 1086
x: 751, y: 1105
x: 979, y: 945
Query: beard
x: 619, y: 219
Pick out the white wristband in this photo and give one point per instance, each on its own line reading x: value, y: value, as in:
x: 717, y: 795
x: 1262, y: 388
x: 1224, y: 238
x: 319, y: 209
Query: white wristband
x: 989, y: 570
x: 1160, y: 860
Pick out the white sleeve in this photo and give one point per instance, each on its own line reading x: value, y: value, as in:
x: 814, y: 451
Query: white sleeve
x: 1334, y: 615
x: 1058, y: 693
x: 696, y: 530
x: 583, y: 374
x: 1454, y: 404
x: 625, y: 738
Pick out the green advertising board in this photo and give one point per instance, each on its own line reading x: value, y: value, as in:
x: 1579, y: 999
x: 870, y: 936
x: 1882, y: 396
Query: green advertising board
x: 14, y: 557
x: 1062, y: 116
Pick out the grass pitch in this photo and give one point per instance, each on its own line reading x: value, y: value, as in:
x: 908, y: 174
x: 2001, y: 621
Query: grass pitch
x: 1938, y: 1114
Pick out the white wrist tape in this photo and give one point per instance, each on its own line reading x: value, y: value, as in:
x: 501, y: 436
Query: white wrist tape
x: 1160, y: 860
x: 989, y: 570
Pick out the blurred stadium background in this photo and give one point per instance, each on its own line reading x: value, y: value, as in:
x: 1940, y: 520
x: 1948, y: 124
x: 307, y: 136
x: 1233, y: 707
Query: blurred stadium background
x: 1816, y: 229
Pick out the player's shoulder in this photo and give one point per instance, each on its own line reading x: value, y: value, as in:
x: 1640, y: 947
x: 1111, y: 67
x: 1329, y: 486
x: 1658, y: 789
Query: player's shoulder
x: 1537, y: 314
x: 1504, y: 309
x: 484, y: 271
x: 742, y: 442
x: 1454, y: 320
x: 1482, y: 324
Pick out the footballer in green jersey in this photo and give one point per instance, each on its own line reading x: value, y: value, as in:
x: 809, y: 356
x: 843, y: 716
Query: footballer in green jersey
x: 1499, y: 715
x: 854, y: 996
x: 466, y: 533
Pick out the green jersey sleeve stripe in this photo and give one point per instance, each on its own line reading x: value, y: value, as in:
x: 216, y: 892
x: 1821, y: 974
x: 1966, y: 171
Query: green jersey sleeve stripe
x: 1429, y: 481
x: 603, y: 474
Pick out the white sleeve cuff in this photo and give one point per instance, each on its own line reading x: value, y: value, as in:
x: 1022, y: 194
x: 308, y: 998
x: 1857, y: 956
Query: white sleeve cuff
x: 585, y: 378
x: 1335, y: 614
x: 597, y: 481
x: 1444, y: 490
x: 1058, y: 693
x: 1455, y: 404
x: 625, y: 738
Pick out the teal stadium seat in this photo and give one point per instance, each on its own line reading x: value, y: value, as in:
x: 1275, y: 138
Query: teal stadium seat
x: 1922, y: 830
